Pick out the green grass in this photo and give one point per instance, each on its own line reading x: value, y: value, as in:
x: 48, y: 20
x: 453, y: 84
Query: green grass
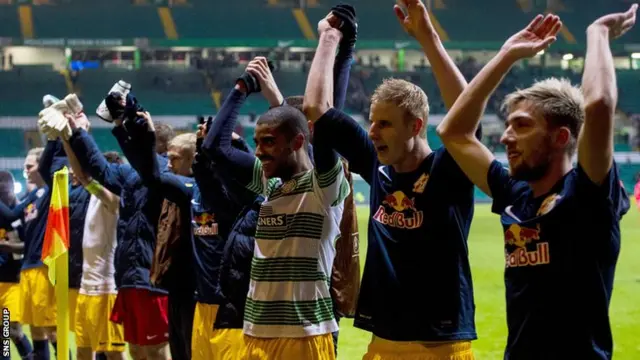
x: 487, y: 261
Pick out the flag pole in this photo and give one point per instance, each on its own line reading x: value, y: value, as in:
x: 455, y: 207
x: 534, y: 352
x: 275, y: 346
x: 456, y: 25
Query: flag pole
x: 62, y: 303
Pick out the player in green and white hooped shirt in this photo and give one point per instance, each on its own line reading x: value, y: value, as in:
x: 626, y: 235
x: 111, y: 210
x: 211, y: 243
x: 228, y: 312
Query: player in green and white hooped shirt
x: 288, y: 312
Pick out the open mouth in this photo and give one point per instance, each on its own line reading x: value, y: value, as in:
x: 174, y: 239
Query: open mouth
x: 382, y: 148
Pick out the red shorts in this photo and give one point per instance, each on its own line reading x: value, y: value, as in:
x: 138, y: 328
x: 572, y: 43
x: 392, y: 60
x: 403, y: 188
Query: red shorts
x: 144, y: 315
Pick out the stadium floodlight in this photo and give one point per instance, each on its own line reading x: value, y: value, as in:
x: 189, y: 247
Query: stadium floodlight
x: 567, y: 57
x: 635, y: 55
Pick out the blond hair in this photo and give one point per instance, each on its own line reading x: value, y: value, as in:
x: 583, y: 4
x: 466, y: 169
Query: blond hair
x: 405, y: 95
x: 37, y: 152
x: 559, y: 103
x: 184, y: 142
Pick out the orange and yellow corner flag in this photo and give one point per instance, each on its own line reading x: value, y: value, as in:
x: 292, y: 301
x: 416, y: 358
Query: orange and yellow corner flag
x: 56, y: 236
x: 55, y: 255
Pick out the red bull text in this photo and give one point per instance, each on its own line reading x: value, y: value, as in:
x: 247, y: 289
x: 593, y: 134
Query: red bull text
x: 404, y: 214
x: 205, y: 225
x: 520, y: 237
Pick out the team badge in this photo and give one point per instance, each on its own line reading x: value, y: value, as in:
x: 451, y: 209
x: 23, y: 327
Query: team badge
x: 289, y: 186
x: 548, y: 204
x: 420, y: 184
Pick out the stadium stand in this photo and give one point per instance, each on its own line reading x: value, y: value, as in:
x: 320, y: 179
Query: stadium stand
x: 178, y: 83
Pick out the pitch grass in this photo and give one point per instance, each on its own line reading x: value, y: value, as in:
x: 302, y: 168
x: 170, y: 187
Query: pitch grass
x: 487, y: 263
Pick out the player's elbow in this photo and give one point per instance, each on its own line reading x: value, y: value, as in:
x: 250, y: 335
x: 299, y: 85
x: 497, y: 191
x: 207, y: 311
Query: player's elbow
x: 446, y: 133
x: 313, y: 110
x: 599, y: 106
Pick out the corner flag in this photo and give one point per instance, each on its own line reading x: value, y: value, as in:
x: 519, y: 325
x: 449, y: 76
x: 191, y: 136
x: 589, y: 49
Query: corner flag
x: 55, y: 255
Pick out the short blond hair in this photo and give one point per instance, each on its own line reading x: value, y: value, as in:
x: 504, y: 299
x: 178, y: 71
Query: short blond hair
x: 37, y: 152
x: 184, y: 142
x: 557, y: 100
x: 405, y: 95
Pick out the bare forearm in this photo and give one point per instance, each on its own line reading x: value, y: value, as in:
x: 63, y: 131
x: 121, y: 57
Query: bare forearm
x: 318, y: 95
x: 450, y: 80
x: 599, y: 78
x: 464, y: 116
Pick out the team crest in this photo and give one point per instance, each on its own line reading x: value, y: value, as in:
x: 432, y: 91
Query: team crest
x: 420, y: 184
x: 289, y: 186
x: 548, y: 204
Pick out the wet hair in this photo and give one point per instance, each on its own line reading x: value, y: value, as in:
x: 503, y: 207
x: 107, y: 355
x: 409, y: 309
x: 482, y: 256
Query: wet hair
x: 37, y: 152
x: 559, y: 103
x: 287, y: 119
x: 405, y: 95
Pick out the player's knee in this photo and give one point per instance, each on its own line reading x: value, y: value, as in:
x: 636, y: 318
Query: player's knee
x: 157, y: 352
x: 38, y: 333
x: 116, y: 355
x: 51, y: 333
x: 84, y: 353
x: 137, y: 352
x: 15, y: 331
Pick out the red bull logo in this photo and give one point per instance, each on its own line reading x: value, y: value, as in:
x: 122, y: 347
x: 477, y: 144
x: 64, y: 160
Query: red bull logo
x: 404, y: 213
x: 520, y: 237
x: 205, y: 225
x: 30, y: 213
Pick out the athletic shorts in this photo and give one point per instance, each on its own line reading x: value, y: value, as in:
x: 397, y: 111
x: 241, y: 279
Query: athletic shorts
x: 93, y: 328
x: 144, y: 316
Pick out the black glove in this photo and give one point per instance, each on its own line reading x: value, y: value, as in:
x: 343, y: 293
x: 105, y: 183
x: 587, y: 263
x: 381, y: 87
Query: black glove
x: 250, y: 82
x: 117, y: 111
x: 113, y: 105
x: 349, y: 27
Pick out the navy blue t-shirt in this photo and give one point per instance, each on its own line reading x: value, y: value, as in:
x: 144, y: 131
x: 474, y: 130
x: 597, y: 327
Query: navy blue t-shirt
x: 561, y: 250
x: 35, y: 219
x: 416, y: 284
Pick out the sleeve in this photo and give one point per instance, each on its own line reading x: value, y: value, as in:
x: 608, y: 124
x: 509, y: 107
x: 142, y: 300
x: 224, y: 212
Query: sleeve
x: 457, y: 180
x: 611, y: 193
x: 504, y: 189
x: 333, y: 185
x: 53, y: 159
x: 339, y: 131
x: 246, y: 168
x: 176, y: 189
x: 341, y: 71
x: 126, y: 144
x: 92, y: 160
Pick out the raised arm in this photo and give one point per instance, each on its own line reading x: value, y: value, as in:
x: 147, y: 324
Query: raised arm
x: 416, y: 22
x: 458, y: 129
x: 245, y: 167
x: 110, y: 200
x: 94, y: 162
x: 595, y: 142
x: 344, y: 59
x: 333, y: 129
x: 177, y: 189
x: 52, y: 160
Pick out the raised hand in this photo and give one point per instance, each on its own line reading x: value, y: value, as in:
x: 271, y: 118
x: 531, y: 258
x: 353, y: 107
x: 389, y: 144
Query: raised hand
x: 537, y: 36
x: 618, y: 23
x: 414, y: 17
x: 259, y: 69
x: 329, y: 22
